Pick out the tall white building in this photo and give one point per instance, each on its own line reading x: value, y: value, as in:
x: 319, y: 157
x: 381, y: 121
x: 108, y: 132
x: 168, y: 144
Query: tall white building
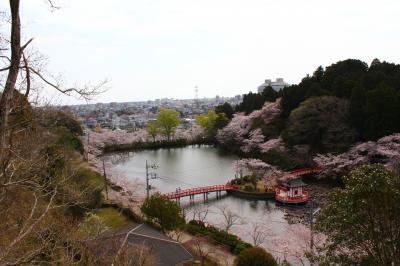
x: 276, y: 85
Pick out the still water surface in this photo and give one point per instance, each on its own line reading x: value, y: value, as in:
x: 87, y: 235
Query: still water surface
x: 195, y: 166
x: 180, y: 167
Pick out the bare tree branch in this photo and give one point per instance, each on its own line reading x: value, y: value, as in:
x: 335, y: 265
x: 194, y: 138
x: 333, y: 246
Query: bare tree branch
x: 258, y: 234
x: 230, y: 218
x: 26, y: 44
x: 28, y: 75
x: 85, y: 93
x: 52, y: 5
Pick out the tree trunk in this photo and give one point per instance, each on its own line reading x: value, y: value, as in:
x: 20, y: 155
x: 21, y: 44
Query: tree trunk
x: 9, y: 88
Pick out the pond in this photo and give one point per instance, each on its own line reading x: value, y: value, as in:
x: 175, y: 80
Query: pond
x: 195, y: 166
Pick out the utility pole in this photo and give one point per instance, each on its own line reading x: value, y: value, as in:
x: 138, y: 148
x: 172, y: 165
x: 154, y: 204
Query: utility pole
x: 237, y: 169
x: 311, y: 227
x: 150, y: 175
x: 312, y: 214
x: 87, y: 150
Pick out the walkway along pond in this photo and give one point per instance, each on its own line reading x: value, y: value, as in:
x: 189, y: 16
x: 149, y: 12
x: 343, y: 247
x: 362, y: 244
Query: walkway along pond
x: 199, y: 166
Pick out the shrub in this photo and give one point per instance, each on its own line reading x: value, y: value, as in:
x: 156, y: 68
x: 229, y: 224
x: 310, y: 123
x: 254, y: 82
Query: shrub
x: 66, y: 138
x: 249, y: 188
x: 255, y: 256
x: 240, y: 247
x: 63, y: 119
x: 238, y: 181
x: 236, y: 245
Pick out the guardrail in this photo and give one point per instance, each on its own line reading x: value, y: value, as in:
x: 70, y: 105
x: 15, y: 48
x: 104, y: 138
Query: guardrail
x: 303, y: 172
x: 199, y: 190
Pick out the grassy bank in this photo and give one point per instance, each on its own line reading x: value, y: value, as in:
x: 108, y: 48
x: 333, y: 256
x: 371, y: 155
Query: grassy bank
x: 112, y: 218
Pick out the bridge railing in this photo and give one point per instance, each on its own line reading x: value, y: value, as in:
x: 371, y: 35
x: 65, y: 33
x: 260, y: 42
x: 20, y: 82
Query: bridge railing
x: 199, y: 190
x: 303, y: 172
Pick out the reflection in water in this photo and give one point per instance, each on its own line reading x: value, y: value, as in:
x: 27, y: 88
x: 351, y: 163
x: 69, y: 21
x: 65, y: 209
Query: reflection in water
x: 119, y: 158
x: 203, y: 166
x: 179, y: 167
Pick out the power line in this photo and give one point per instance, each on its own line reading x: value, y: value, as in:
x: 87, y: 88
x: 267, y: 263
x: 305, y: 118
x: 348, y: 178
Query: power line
x: 176, y: 180
x: 194, y: 170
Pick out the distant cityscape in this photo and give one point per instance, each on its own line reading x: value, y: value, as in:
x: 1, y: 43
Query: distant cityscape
x: 132, y: 116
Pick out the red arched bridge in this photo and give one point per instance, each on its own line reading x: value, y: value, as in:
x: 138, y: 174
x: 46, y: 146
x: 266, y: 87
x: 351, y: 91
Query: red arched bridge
x: 200, y: 190
x: 219, y: 188
x: 300, y: 172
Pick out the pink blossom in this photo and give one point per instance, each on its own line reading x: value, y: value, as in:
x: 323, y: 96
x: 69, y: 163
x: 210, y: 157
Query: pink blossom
x: 251, y: 166
x: 191, y: 134
x: 385, y: 150
x: 269, y: 112
x: 270, y: 145
x: 254, y: 141
x: 239, y: 129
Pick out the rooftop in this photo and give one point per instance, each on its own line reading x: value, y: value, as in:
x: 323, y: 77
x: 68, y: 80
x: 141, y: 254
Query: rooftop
x: 298, y: 182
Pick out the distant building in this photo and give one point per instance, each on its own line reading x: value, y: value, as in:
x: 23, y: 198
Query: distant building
x: 238, y: 98
x: 276, y: 85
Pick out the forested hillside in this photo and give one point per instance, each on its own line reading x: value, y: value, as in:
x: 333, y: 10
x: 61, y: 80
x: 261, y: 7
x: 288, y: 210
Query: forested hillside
x: 46, y: 189
x: 49, y: 195
x: 330, y: 111
x: 371, y: 93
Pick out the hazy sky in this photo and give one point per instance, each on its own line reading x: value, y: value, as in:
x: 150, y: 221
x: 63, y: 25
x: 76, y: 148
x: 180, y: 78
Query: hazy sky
x: 163, y: 48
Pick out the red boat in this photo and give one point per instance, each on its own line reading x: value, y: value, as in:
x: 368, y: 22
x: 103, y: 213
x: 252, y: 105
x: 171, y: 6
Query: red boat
x: 292, y: 192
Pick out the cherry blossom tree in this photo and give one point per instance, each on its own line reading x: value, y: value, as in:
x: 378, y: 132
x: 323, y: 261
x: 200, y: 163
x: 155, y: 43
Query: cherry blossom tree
x: 251, y: 166
x: 272, y: 177
x: 240, y: 132
x: 269, y: 112
x: 270, y: 145
x: 236, y: 131
x: 191, y: 134
x: 253, y: 143
x: 386, y: 150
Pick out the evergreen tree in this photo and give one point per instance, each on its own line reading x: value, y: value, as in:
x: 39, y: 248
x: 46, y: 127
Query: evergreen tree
x: 226, y: 109
x: 357, y: 108
x: 158, y: 208
x: 382, y: 112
